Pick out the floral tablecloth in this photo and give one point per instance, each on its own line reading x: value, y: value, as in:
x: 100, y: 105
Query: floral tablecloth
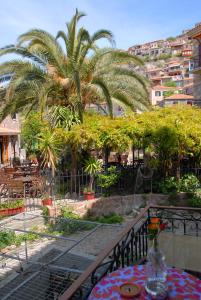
x: 181, y: 285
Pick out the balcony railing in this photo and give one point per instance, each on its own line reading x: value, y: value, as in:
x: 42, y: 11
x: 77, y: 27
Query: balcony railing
x: 131, y: 246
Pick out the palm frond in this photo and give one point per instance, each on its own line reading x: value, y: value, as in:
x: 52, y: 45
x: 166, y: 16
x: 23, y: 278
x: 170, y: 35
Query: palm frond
x: 98, y: 82
x: 103, y: 33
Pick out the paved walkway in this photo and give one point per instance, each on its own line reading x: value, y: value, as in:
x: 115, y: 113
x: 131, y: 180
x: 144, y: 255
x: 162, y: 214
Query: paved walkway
x: 86, y: 244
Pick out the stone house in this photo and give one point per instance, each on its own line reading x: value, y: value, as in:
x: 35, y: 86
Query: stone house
x: 9, y: 139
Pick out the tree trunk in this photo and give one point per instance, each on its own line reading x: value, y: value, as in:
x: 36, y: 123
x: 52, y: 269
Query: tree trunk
x: 74, y: 162
x: 107, y: 153
x: 178, y: 171
x: 91, y: 181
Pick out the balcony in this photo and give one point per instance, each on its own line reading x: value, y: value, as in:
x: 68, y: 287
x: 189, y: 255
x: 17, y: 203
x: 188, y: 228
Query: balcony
x: 180, y: 242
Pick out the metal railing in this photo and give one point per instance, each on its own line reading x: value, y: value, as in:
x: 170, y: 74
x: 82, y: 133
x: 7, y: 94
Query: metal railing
x: 131, y: 246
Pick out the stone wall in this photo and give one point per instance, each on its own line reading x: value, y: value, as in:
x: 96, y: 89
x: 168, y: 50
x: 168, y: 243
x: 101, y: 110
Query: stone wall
x: 119, y: 204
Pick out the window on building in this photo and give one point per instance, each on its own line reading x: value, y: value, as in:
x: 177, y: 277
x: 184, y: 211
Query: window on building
x: 157, y: 93
x: 175, y: 102
x: 189, y: 102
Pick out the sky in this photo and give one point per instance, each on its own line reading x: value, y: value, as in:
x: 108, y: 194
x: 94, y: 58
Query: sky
x: 131, y: 21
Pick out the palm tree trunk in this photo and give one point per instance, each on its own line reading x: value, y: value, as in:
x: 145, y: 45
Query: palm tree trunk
x: 79, y: 96
x: 91, y: 181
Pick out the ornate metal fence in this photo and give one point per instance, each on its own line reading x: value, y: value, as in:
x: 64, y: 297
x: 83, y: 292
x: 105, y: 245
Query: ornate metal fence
x: 131, y: 246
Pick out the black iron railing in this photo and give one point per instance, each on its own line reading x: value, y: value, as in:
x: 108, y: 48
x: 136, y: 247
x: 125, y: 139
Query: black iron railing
x: 131, y: 246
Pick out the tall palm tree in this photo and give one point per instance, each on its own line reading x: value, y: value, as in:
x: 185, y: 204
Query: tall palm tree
x: 51, y: 75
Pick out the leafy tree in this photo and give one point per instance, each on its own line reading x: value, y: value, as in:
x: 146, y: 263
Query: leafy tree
x: 62, y: 117
x: 31, y: 128
x: 92, y: 166
x: 49, y: 75
x: 171, y: 39
x: 50, y: 147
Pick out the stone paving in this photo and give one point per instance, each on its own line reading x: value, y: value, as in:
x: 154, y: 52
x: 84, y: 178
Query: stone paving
x: 88, y: 248
x: 180, y: 251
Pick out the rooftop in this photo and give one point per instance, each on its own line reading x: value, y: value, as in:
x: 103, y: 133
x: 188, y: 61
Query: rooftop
x: 163, y: 88
x: 180, y: 97
x: 8, y: 131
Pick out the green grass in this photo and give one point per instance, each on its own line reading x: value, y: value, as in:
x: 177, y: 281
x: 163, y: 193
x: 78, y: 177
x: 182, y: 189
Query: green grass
x: 108, y: 219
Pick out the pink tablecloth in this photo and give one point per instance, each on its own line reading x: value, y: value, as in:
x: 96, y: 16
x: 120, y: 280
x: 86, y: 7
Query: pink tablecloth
x: 181, y: 285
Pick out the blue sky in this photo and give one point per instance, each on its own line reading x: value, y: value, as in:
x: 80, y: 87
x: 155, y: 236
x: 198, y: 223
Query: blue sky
x: 131, y: 21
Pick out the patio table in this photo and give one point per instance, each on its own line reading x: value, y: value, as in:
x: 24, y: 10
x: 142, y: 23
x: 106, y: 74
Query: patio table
x: 181, y: 285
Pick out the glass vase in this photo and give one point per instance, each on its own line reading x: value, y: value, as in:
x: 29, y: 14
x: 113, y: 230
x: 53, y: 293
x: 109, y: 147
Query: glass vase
x: 156, y: 285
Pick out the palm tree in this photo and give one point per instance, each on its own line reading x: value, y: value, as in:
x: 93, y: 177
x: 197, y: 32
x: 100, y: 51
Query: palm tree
x: 49, y: 75
x: 62, y: 117
x: 50, y: 146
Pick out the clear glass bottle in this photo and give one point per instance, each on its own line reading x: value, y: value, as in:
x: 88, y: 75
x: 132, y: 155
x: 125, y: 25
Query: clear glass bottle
x: 156, y: 272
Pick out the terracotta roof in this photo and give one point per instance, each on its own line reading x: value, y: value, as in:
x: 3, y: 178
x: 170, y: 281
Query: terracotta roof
x: 179, y: 97
x: 163, y: 88
x: 8, y: 131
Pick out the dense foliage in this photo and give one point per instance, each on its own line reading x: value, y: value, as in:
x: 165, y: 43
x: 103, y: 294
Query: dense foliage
x: 12, y: 204
x: 168, y: 134
x: 188, y: 183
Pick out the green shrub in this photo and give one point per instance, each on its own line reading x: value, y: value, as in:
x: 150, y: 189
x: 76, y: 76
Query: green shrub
x: 170, y: 185
x: 108, y: 219
x: 67, y: 213
x: 68, y: 223
x: 108, y: 179
x: 188, y: 183
x: 12, y: 204
x: 45, y: 214
x: 195, y: 201
x: 7, y: 238
x: 20, y: 238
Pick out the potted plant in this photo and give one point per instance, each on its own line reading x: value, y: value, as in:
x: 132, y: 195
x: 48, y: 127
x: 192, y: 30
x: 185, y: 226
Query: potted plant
x: 33, y: 159
x: 47, y: 200
x: 92, y: 166
x: 12, y: 208
x: 88, y: 193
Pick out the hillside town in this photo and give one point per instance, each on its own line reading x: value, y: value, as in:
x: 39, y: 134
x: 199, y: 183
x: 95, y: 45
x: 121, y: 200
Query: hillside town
x: 172, y: 68
x: 170, y: 65
x: 100, y: 152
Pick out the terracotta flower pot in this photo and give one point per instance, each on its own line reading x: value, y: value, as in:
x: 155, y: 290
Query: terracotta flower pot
x: 46, y: 202
x: 4, y: 212
x: 89, y: 195
x: 11, y: 211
